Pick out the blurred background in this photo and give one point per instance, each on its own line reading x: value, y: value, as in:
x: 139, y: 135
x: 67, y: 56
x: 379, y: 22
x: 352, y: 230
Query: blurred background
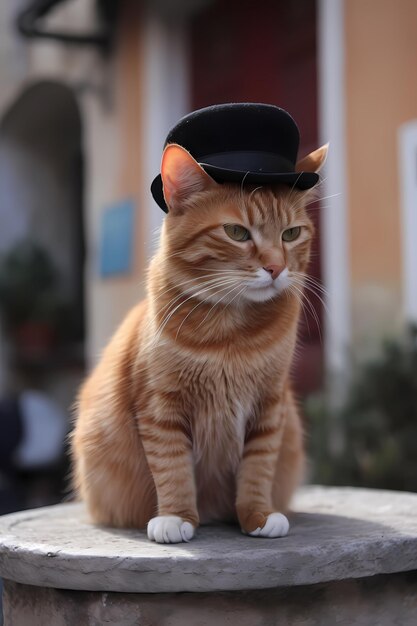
x: 88, y: 92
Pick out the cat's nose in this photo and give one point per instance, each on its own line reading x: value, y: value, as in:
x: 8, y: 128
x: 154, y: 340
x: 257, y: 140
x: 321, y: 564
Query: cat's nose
x: 274, y: 270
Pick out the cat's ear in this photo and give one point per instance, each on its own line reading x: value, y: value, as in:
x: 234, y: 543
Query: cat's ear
x: 181, y: 176
x: 314, y: 161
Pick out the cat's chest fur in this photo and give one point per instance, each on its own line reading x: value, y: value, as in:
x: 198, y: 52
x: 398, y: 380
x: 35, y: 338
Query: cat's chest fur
x: 222, y: 393
x: 223, y: 402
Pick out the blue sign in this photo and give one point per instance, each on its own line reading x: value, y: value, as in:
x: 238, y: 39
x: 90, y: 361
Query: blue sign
x: 116, y: 239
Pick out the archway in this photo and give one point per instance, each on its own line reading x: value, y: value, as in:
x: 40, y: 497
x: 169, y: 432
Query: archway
x: 41, y: 186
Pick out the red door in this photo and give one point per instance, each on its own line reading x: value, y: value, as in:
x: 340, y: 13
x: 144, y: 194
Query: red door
x: 246, y: 51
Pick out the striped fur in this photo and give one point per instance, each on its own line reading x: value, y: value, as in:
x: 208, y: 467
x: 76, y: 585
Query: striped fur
x: 190, y: 412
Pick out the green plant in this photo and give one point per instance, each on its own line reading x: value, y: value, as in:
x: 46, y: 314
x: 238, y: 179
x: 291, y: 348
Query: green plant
x: 377, y: 426
x: 28, y: 285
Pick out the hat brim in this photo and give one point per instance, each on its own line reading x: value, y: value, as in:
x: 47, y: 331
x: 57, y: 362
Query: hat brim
x: 300, y: 180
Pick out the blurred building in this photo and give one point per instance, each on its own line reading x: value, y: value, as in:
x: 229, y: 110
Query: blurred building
x: 82, y: 126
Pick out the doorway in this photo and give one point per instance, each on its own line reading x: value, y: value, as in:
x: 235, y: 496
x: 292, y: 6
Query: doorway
x: 243, y: 51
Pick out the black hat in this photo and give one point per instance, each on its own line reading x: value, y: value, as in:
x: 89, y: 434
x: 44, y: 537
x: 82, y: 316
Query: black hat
x: 232, y: 142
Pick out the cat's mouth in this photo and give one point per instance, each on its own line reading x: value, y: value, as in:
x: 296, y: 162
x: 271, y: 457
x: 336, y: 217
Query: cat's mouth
x: 264, y: 288
x: 261, y: 293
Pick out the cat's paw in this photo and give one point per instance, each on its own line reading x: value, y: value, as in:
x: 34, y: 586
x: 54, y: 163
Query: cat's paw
x: 276, y: 525
x: 169, y: 529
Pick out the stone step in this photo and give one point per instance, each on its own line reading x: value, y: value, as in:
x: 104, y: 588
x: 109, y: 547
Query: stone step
x: 337, y: 534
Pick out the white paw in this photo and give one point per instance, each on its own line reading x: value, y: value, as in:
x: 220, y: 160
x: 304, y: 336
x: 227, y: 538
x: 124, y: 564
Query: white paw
x: 276, y: 525
x: 169, y: 529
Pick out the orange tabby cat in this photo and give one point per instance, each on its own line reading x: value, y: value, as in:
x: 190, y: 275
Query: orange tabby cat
x: 189, y: 416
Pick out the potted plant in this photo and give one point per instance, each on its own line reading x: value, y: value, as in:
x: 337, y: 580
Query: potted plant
x: 29, y: 296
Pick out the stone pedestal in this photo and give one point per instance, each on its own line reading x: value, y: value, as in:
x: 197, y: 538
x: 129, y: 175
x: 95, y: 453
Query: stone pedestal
x: 350, y: 557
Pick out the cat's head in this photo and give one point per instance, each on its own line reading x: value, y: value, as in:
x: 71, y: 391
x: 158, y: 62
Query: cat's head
x: 234, y: 242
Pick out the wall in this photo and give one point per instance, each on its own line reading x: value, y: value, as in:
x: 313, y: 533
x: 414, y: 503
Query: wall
x: 381, y: 53
x: 113, y: 140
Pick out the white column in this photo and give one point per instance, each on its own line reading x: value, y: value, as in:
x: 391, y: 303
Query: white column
x: 334, y: 222
x: 407, y: 147
x: 165, y: 99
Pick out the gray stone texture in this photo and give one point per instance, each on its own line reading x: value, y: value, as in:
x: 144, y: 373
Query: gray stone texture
x: 388, y: 600
x: 336, y: 534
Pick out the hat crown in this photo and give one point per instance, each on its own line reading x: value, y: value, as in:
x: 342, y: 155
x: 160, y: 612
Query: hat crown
x: 237, y: 127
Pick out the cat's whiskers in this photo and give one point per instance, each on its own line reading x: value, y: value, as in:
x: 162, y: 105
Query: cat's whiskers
x: 242, y: 197
x: 253, y: 191
x: 309, y: 279
x: 204, y: 302
x: 191, y: 280
x: 295, y: 206
x: 229, y: 271
x: 218, y: 302
x: 303, y: 284
x: 317, y: 287
x: 209, y: 284
x: 171, y: 313
x: 317, y: 295
x: 238, y: 273
x: 201, y: 284
x: 319, y: 200
x: 171, y: 302
x: 173, y: 254
x: 304, y: 297
x: 307, y: 282
x: 316, y: 197
x: 319, y: 207
x: 240, y: 296
x: 289, y: 291
x: 244, y: 288
x: 288, y: 198
x: 303, y: 307
x: 322, y: 198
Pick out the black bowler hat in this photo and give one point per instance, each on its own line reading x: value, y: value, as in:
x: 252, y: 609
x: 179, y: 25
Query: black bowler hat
x: 232, y: 142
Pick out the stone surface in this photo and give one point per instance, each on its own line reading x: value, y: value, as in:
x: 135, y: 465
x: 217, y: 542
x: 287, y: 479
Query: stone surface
x: 387, y: 600
x: 335, y: 534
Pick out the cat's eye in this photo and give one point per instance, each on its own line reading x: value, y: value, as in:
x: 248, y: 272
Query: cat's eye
x: 237, y: 232
x: 291, y: 234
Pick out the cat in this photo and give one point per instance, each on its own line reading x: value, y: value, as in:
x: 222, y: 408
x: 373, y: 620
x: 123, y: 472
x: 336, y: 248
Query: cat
x: 189, y: 416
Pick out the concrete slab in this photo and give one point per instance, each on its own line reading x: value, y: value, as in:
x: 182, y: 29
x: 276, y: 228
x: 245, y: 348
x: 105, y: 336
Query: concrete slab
x: 336, y: 534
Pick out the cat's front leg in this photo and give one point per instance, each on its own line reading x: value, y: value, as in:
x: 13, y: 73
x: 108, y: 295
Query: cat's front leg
x: 168, y: 450
x: 256, y: 473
